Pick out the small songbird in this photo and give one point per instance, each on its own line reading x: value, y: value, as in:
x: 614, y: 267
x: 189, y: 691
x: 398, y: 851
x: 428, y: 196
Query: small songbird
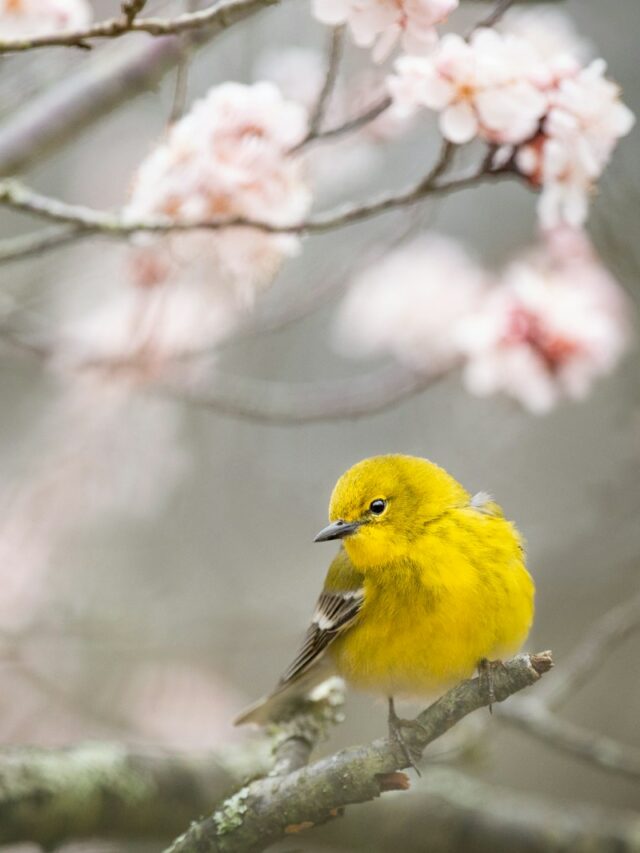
x: 429, y: 585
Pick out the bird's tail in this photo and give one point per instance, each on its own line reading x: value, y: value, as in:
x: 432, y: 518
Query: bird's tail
x: 286, y: 700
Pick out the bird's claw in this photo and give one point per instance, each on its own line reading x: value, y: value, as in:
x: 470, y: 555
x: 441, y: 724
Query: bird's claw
x: 486, y: 669
x: 396, y: 725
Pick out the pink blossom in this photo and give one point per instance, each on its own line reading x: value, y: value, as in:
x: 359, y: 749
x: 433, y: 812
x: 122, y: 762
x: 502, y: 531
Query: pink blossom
x: 408, y: 303
x: 20, y: 18
x: 554, y: 323
x: 381, y: 23
x: 552, y: 35
x: 584, y: 123
x: 488, y: 86
x: 227, y: 158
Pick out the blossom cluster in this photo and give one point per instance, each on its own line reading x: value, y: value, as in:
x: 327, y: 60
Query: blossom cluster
x: 541, y: 330
x: 228, y: 158
x: 555, y: 118
x: 382, y: 23
x: 23, y: 18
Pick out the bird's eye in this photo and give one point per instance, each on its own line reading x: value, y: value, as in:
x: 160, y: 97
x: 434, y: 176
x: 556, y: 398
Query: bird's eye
x: 378, y: 506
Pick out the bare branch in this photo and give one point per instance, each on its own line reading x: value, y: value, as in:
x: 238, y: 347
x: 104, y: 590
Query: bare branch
x: 602, y: 637
x: 38, y: 242
x: 219, y: 15
x: 55, y: 117
x: 351, y: 125
x: 494, y: 17
x: 89, y: 221
x: 49, y: 796
x: 532, y: 717
x: 304, y: 402
x: 336, y: 43
x: 261, y: 813
x: 452, y: 812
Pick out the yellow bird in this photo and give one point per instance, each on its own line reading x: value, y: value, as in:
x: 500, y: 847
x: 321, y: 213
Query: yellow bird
x: 429, y: 584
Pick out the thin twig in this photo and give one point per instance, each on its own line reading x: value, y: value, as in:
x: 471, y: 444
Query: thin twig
x: 336, y: 42
x: 494, y: 17
x: 350, y: 126
x: 91, y: 221
x: 32, y: 244
x: 222, y: 13
x: 289, y: 404
x: 604, y: 635
x: 532, y: 717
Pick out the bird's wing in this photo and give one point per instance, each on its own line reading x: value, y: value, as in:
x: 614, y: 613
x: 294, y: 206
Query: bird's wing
x: 334, y: 612
x: 337, y: 608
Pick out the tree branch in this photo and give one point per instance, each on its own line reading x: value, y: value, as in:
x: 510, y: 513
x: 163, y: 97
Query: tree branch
x: 57, y: 116
x: 336, y: 43
x: 352, y: 124
x: 105, y: 790
x: 87, y: 221
x: 532, y: 717
x: 289, y: 404
x: 219, y: 15
x: 604, y: 635
x: 453, y: 812
x: 261, y: 813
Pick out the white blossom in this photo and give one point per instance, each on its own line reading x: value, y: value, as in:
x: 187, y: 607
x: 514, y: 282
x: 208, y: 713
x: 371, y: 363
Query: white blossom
x: 227, y: 158
x: 487, y: 86
x: 382, y: 23
x: 407, y: 304
x: 23, y: 18
x: 554, y: 323
x: 585, y: 120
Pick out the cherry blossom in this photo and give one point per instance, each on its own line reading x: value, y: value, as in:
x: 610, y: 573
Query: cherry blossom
x: 487, y: 86
x: 408, y: 303
x: 586, y: 118
x: 228, y: 157
x: 19, y: 18
x: 554, y: 323
x: 553, y: 36
x: 382, y: 23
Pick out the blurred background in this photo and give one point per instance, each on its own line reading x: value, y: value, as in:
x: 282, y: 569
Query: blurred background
x: 158, y: 565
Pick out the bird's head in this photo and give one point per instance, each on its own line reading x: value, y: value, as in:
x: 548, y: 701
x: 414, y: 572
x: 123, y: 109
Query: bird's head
x: 383, y: 504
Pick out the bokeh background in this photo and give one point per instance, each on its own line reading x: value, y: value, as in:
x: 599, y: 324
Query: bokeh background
x: 162, y: 557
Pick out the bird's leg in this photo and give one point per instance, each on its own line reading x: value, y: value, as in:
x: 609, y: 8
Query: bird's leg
x: 486, y: 668
x: 396, y: 724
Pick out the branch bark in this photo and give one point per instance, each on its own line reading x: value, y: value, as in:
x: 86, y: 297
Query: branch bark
x: 263, y: 812
x: 105, y: 790
x: 54, y: 118
x: 86, y: 221
x: 219, y: 15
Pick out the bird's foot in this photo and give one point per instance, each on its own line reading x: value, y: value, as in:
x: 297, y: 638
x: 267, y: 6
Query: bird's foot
x: 486, y: 670
x: 396, y: 725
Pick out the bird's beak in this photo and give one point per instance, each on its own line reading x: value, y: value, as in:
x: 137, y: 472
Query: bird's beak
x: 337, y: 530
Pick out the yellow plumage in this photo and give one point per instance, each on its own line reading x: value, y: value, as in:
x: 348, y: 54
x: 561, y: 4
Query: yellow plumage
x: 428, y: 583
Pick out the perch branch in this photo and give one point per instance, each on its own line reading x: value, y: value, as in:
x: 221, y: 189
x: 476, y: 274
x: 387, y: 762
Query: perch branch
x: 263, y: 812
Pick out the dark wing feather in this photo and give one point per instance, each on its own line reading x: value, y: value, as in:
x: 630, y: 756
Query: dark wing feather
x: 334, y: 612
